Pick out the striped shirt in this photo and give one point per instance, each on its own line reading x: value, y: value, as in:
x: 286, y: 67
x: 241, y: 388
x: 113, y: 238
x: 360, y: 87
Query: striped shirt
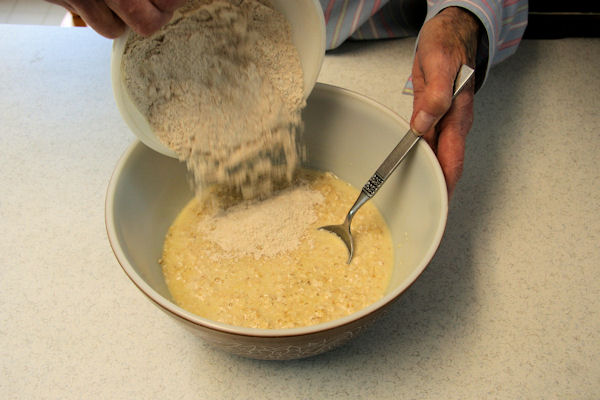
x: 504, y: 22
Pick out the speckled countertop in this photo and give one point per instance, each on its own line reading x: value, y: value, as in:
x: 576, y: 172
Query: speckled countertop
x: 509, y: 308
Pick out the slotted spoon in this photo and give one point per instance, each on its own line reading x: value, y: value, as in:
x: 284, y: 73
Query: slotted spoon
x: 385, y: 170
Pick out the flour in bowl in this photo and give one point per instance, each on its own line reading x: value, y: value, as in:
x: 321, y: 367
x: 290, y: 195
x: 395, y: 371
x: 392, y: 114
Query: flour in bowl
x: 221, y: 84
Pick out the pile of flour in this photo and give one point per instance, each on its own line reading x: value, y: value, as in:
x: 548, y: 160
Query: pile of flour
x: 221, y: 84
x: 266, y: 228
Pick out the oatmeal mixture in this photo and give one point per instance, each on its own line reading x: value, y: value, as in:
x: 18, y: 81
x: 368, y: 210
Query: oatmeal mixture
x: 221, y: 84
x: 266, y: 265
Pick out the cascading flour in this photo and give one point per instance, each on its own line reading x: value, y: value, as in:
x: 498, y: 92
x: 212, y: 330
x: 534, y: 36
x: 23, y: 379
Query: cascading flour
x: 221, y: 84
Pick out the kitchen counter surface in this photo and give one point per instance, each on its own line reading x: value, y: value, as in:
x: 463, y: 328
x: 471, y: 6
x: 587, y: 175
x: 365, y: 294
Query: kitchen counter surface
x: 509, y: 307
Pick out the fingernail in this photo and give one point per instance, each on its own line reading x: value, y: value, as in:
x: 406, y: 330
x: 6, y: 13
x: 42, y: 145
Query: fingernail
x: 423, y: 122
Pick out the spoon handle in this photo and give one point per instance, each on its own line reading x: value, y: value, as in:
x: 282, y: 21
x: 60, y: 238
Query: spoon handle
x: 407, y: 142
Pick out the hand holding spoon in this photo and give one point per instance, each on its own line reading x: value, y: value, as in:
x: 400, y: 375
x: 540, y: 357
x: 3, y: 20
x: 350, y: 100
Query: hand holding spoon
x: 386, y: 168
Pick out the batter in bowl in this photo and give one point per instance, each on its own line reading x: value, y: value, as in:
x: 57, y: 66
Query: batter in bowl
x: 265, y: 264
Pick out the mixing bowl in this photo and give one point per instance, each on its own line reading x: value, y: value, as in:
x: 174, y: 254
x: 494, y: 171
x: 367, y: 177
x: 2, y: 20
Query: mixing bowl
x: 308, y: 35
x: 345, y: 133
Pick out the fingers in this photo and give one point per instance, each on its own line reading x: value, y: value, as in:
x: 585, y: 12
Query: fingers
x: 444, y: 123
x: 450, y: 123
x: 110, y: 17
x: 445, y: 43
x: 453, y: 130
x: 62, y: 3
x: 168, y: 5
x: 99, y: 16
x: 144, y: 16
x: 433, y: 92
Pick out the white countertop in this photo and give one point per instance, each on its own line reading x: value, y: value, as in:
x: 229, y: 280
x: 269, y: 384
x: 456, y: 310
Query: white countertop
x: 509, y: 308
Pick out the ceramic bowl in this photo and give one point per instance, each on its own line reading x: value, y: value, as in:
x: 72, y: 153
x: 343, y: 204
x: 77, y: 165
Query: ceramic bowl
x: 308, y: 35
x: 345, y: 133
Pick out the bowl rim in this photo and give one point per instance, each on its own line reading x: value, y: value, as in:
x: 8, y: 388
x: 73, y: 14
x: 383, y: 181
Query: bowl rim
x: 170, y: 307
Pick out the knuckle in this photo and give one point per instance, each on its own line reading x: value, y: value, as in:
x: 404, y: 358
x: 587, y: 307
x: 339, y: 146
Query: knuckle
x: 133, y: 9
x: 439, y: 100
x: 140, y: 17
x: 148, y: 26
x: 170, y: 5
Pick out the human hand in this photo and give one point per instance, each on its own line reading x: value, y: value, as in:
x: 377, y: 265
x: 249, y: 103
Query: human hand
x: 110, y: 17
x: 446, y: 42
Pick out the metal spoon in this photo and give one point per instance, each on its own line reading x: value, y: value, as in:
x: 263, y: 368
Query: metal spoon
x: 386, y: 168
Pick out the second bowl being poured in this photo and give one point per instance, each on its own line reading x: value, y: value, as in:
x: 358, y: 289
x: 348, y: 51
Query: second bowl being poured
x: 308, y: 36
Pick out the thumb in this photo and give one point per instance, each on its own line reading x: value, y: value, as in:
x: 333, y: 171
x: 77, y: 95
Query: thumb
x: 433, y: 100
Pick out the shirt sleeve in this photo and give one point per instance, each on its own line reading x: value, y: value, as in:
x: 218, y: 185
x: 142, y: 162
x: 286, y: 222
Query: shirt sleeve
x: 343, y: 18
x: 504, y: 22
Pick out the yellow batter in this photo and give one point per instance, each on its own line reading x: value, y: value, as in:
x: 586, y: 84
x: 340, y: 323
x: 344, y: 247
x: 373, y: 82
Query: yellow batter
x: 266, y: 265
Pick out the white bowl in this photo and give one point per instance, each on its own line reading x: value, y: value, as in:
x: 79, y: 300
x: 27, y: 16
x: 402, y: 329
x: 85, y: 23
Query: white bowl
x: 308, y: 35
x: 345, y: 133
